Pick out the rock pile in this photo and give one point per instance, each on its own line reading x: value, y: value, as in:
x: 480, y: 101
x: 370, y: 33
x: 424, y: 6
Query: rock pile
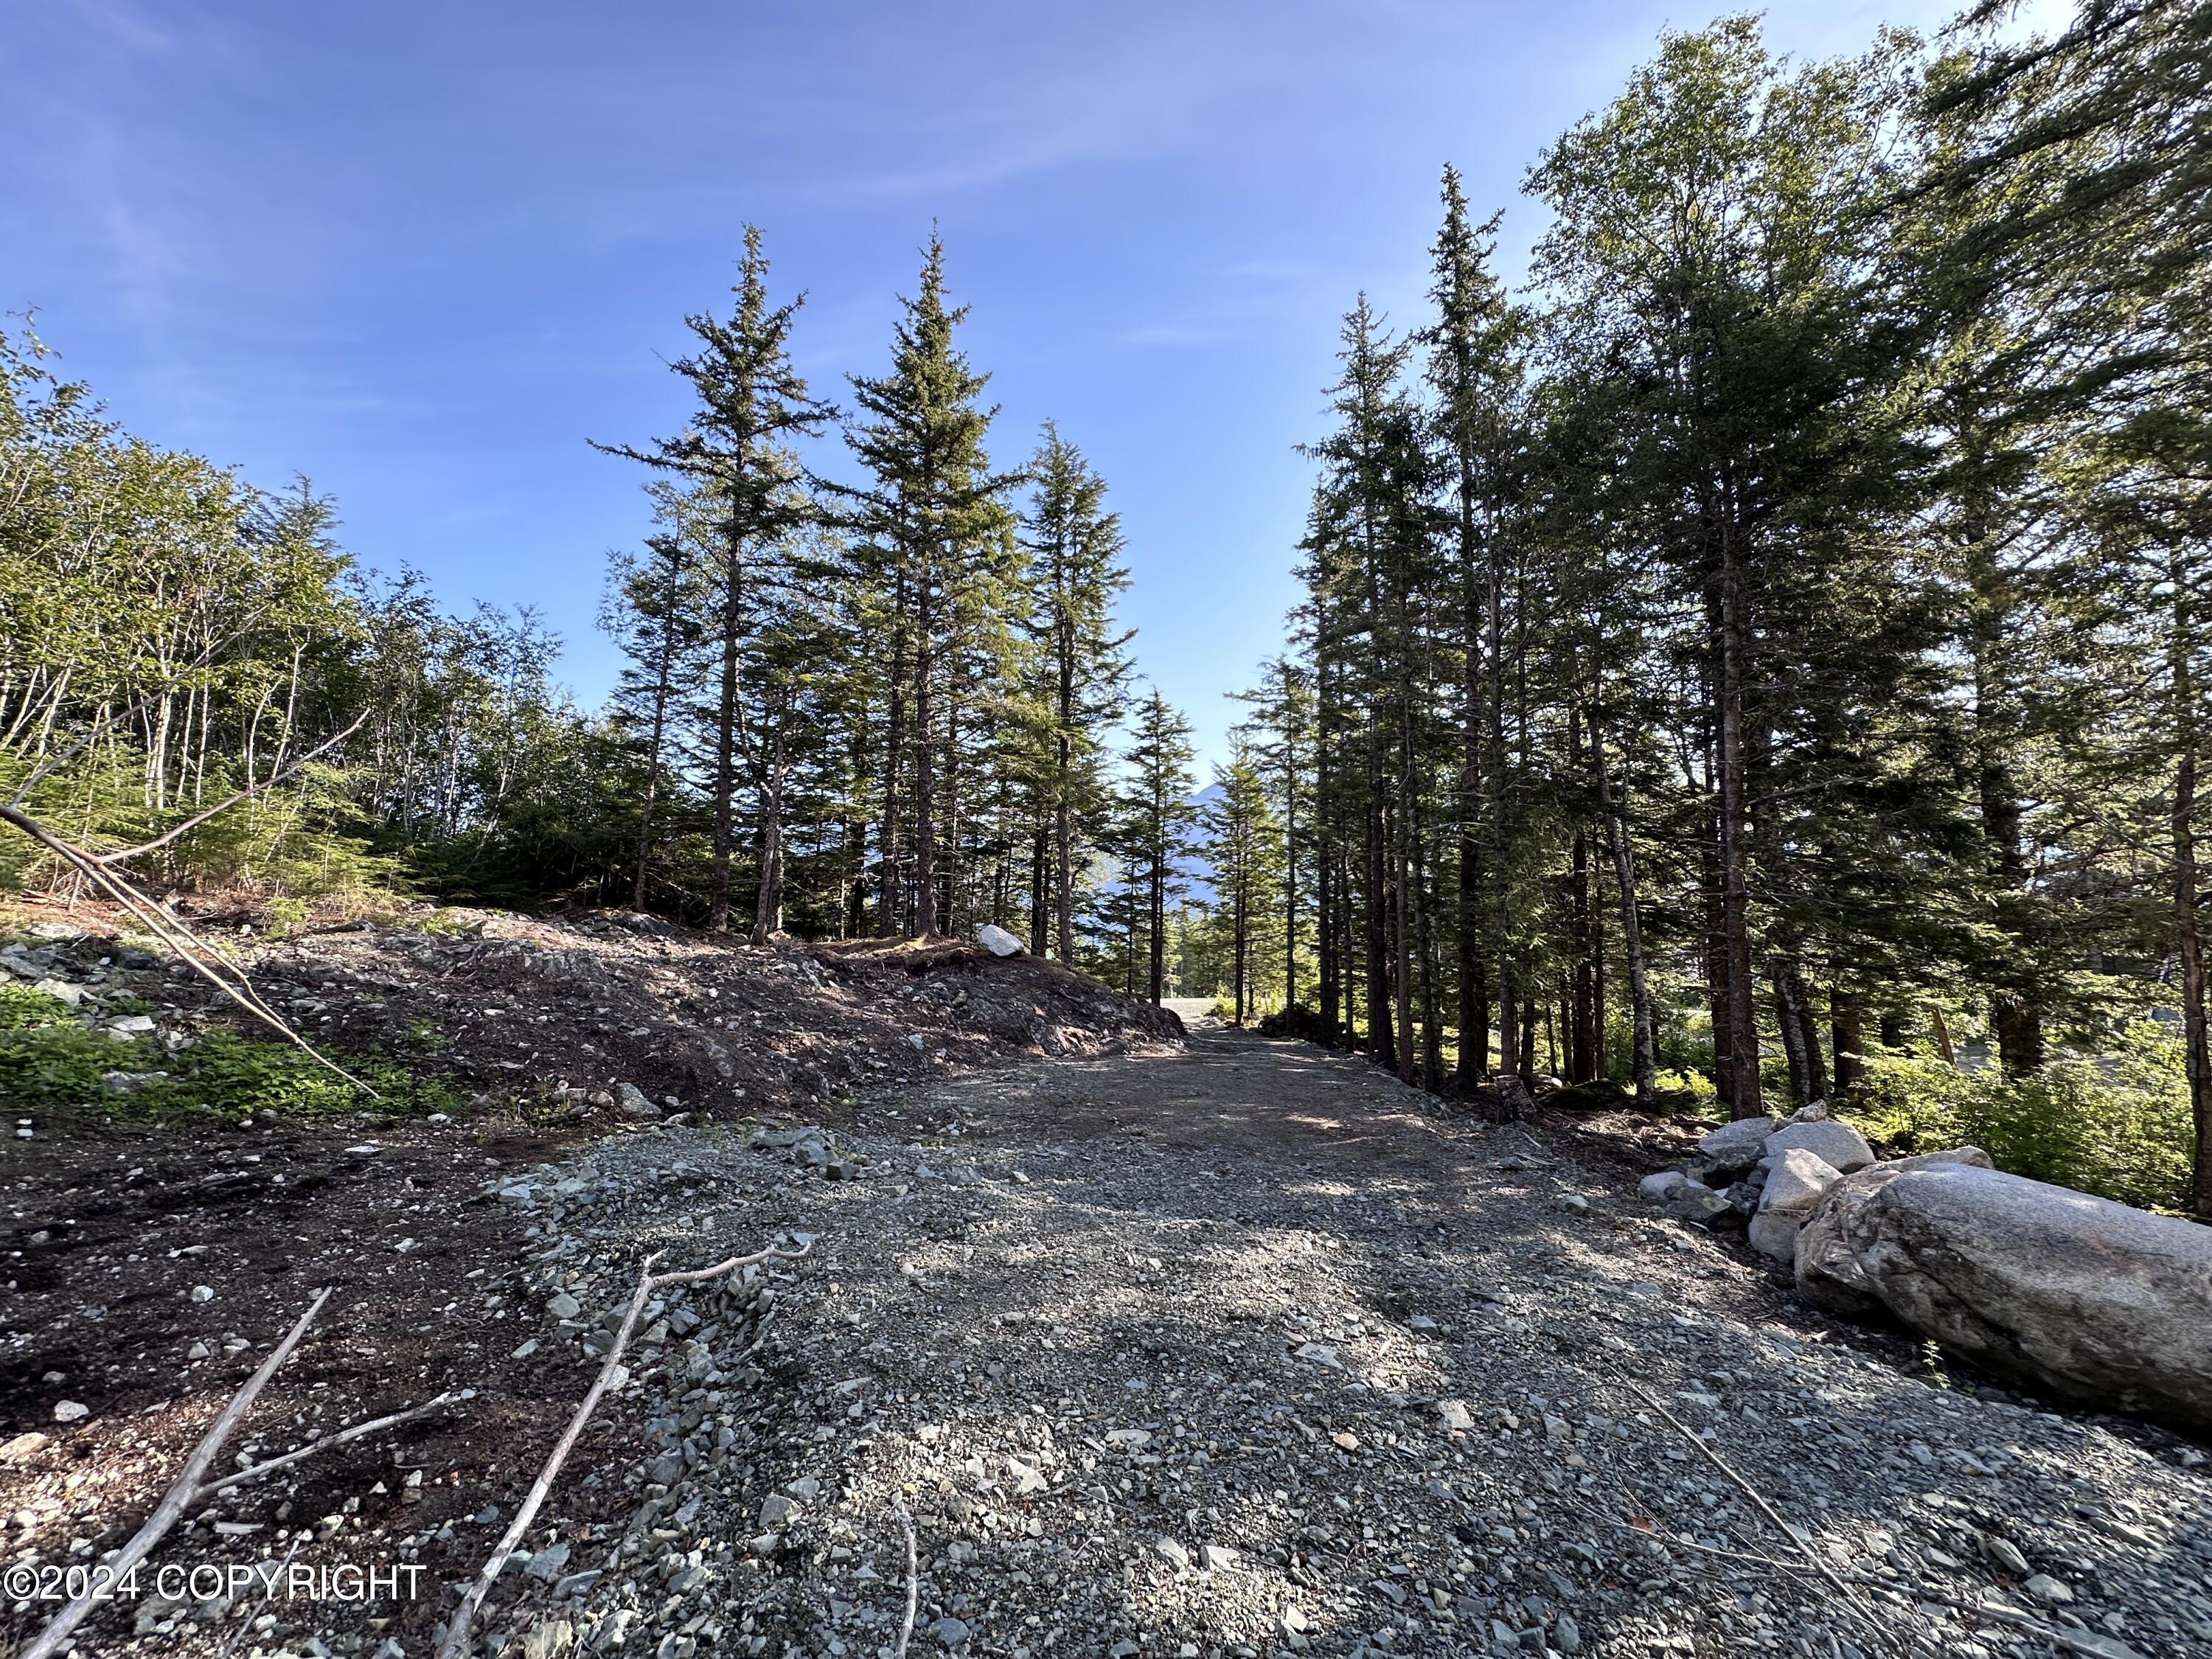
x: 2086, y: 1299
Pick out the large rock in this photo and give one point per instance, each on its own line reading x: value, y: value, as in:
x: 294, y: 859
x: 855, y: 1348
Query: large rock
x: 1828, y: 1272
x: 631, y: 1101
x: 1692, y: 1202
x: 2088, y: 1299
x: 1774, y: 1233
x: 1662, y: 1185
x: 1734, y: 1148
x: 998, y: 941
x: 1838, y: 1145
x: 1795, y: 1180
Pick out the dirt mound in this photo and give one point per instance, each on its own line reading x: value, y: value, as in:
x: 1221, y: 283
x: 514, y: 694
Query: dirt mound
x: 510, y: 1007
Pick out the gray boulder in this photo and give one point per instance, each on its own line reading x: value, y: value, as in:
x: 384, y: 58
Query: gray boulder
x: 1837, y: 1144
x: 631, y: 1101
x: 2088, y: 1299
x: 1795, y: 1180
x: 998, y: 942
x: 1734, y: 1148
x: 1692, y: 1202
x: 1828, y: 1274
x: 1774, y: 1233
x: 1662, y: 1186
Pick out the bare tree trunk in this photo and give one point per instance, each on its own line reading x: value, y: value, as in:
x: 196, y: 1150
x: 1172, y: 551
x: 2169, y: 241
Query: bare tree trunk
x: 1735, y: 897
x: 1582, y: 1032
x: 924, y: 761
x: 1156, y: 900
x: 1792, y: 1028
x: 887, y: 901
x: 726, y: 741
x: 767, y: 916
x: 1290, y: 855
x: 1406, y: 923
x: 2189, y: 940
x: 1380, y: 1041
x: 1041, y: 890
x: 663, y: 674
x: 1844, y: 1041
x: 1063, y: 837
x: 1425, y: 948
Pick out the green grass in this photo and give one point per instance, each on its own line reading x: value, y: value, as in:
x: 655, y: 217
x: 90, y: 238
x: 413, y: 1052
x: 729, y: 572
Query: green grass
x: 47, y: 1059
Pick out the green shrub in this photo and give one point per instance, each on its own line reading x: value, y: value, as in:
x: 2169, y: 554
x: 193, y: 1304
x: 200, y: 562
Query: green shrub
x: 2117, y: 1125
x: 47, y: 1059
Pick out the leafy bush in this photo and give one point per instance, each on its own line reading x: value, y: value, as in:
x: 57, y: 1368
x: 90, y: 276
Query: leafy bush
x: 46, y: 1059
x: 2117, y: 1126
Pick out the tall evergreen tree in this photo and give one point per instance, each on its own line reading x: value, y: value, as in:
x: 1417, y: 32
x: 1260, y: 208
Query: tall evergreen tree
x: 934, y: 532
x: 1073, y: 548
x: 752, y: 405
x: 1157, y: 817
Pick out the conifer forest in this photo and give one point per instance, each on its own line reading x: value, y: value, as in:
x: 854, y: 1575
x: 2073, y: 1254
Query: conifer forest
x: 1759, y: 654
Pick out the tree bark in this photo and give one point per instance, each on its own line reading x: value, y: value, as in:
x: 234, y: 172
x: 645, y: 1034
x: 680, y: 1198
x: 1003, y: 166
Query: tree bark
x: 1735, y: 897
x: 2189, y: 940
x: 1381, y: 1040
x: 726, y: 739
x: 767, y: 916
x: 1645, y: 1047
x: 1845, y: 1041
x: 887, y: 902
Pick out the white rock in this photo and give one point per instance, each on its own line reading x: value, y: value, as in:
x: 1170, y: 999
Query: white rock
x: 2088, y: 1299
x: 70, y: 1411
x: 1662, y: 1186
x: 1843, y: 1148
x: 1795, y: 1180
x: 998, y: 941
x: 202, y: 1292
x: 1457, y: 1418
x: 72, y: 994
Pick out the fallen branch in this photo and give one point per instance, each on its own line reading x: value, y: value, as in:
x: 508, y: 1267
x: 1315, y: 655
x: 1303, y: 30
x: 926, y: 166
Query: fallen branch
x: 181, y: 1493
x: 51, y: 764
x: 177, y: 937
x: 913, y: 1582
x: 357, y: 1432
x: 2089, y: 1643
x: 1757, y: 1498
x: 455, y: 1643
x: 246, y: 794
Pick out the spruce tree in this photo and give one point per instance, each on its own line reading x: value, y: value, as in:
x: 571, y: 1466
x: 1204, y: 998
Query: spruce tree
x: 752, y: 404
x: 934, y: 532
x: 1073, y: 549
x: 1157, y: 817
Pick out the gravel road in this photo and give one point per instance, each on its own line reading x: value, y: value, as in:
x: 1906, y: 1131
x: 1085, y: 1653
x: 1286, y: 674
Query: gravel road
x: 1213, y: 1350
x: 1241, y: 1348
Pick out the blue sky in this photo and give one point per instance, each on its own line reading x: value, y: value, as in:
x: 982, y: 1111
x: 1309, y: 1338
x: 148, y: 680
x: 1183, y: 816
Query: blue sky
x: 421, y: 252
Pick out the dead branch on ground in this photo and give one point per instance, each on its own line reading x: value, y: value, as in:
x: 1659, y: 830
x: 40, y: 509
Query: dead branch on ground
x: 1757, y: 1498
x: 180, y: 1495
x: 913, y: 1582
x: 359, y: 1431
x: 455, y: 1645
